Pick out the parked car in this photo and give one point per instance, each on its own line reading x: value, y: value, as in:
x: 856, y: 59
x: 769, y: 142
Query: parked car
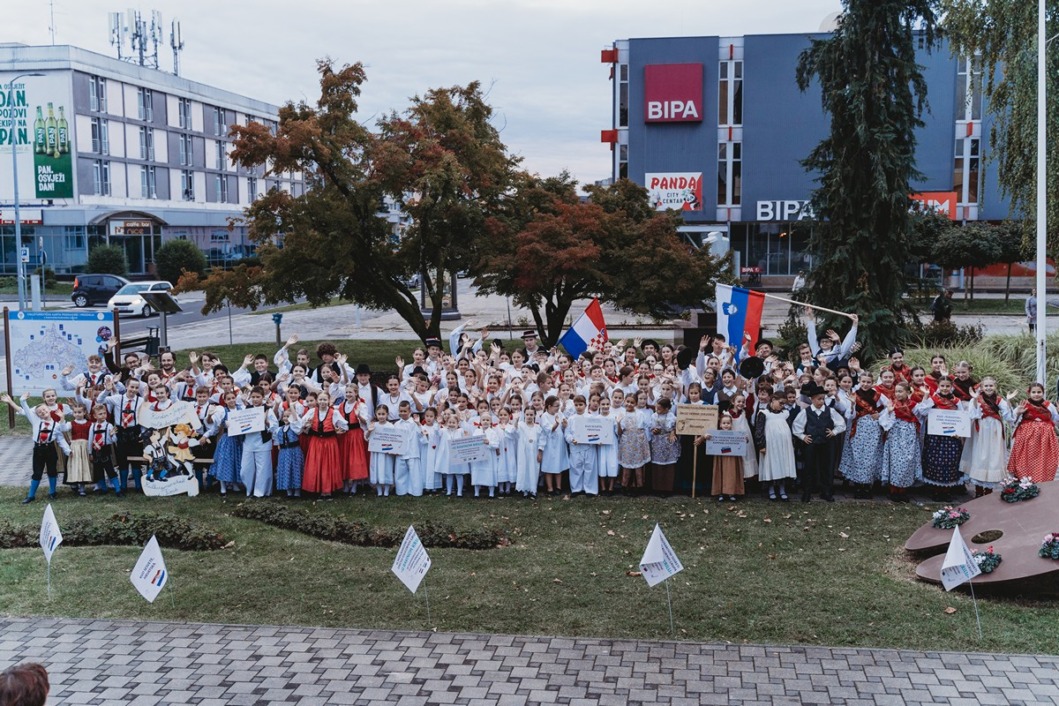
x: 95, y: 289
x: 128, y: 300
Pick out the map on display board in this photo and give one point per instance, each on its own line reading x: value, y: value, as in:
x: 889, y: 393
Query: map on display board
x: 41, y: 344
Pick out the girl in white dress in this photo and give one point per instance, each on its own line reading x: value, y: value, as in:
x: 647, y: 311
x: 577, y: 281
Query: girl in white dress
x: 528, y: 466
x: 453, y: 474
x: 428, y: 447
x: 607, y: 450
x: 506, y: 463
x: 984, y: 456
x: 381, y: 466
x: 740, y: 423
x: 777, y: 454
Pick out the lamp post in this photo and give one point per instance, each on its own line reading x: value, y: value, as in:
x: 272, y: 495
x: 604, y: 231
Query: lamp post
x: 1042, y: 197
x: 18, y: 213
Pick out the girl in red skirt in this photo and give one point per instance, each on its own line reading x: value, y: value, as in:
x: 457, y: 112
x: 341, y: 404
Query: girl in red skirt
x: 1034, y: 450
x: 352, y: 445
x: 323, y: 463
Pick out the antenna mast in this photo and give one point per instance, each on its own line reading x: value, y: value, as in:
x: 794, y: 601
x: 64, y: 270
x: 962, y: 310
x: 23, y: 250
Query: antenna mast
x: 177, y: 43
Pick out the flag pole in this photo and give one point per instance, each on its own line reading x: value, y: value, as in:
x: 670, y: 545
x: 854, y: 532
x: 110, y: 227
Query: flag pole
x: 806, y: 304
x: 49, y: 579
x: 976, y: 616
x: 669, y: 599
x: 426, y: 595
x: 694, y: 467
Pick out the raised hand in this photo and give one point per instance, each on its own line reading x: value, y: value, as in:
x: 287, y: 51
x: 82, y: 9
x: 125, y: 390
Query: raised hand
x: 292, y: 340
x: 248, y: 359
x: 67, y: 370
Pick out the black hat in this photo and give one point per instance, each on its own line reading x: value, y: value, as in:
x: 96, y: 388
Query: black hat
x: 432, y: 342
x: 685, y: 356
x: 418, y: 370
x: 363, y: 369
x: 811, y: 390
x: 649, y: 342
x: 751, y: 367
x: 530, y: 333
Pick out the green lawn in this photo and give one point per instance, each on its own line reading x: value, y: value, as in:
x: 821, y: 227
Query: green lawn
x: 755, y: 571
x: 8, y: 285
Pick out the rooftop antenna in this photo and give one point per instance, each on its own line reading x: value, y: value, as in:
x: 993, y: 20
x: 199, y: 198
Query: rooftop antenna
x: 118, y: 32
x: 51, y: 28
x: 177, y: 43
x: 143, y: 38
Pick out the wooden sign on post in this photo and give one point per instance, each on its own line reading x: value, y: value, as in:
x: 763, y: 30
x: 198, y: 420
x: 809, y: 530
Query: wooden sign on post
x: 696, y: 419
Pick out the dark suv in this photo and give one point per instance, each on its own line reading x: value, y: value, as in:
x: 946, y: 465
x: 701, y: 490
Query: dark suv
x: 96, y: 289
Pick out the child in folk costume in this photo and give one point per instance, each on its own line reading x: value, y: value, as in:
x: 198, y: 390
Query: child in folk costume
x: 380, y: 465
x: 428, y: 448
x: 408, y: 476
x: 483, y: 471
x: 352, y: 446
x: 741, y: 422
x: 665, y: 447
x: 607, y: 449
x: 507, y: 461
x: 551, y: 449
x: 818, y: 426
x: 984, y: 457
x: 584, y: 478
x: 634, y: 450
x: 941, y: 453
x: 861, y: 462
x: 228, y: 454
x: 727, y: 470
x: 102, y: 438
x: 290, y: 461
x: 78, y: 466
x: 256, y: 464
x: 528, y: 468
x: 453, y: 473
x: 901, y: 457
x: 323, y: 460
x: 1034, y: 450
x: 777, y: 448
x: 46, y: 435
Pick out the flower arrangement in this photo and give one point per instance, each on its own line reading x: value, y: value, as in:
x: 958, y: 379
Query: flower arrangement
x: 987, y: 561
x: 1017, y: 489
x: 1050, y: 546
x: 950, y: 517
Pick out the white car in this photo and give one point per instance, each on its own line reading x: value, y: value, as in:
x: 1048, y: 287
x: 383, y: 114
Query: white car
x: 128, y: 301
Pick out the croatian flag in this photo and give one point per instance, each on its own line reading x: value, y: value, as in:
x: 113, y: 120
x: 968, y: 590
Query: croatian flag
x: 589, y: 331
x: 739, y: 313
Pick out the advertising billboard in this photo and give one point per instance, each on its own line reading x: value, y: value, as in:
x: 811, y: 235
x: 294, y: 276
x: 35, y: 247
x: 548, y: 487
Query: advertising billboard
x: 36, y: 119
x: 673, y: 93
x: 677, y: 190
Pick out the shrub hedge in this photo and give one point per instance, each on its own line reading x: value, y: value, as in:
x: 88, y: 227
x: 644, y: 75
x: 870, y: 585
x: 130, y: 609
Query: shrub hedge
x: 122, y: 529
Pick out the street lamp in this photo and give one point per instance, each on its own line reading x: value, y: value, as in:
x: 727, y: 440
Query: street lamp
x: 18, y: 214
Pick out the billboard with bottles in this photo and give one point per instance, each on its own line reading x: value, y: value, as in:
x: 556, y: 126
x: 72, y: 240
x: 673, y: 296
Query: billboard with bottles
x: 36, y: 120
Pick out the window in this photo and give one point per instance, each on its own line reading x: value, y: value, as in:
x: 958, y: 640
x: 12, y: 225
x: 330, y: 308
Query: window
x: 220, y: 184
x: 184, y: 113
x: 100, y: 136
x: 965, y: 173
x: 73, y: 238
x: 219, y: 126
x: 730, y: 174
x: 251, y: 189
x: 187, y: 184
x: 147, y: 144
x: 219, y: 236
x: 184, y: 145
x: 730, y: 93
x: 623, y: 95
x: 147, y: 183
x: 97, y: 94
x: 145, y: 104
x: 623, y: 161
x: 222, y: 156
x: 101, y: 177
x: 969, y: 89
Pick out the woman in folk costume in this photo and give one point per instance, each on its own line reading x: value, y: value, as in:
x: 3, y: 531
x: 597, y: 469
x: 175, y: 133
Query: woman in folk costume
x: 901, y: 464
x: 941, y: 453
x: 1034, y: 450
x: 984, y: 457
x: 897, y: 366
x: 741, y: 422
x: 323, y: 462
x: 938, y: 370
x: 861, y: 462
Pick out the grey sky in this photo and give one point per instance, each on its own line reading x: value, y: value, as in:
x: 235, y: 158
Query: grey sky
x: 539, y: 59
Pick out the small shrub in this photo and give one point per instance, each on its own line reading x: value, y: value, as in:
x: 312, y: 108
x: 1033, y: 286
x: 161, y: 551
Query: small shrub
x: 946, y: 333
x: 49, y: 276
x: 337, y: 529
x: 122, y: 529
x: 176, y: 256
x: 108, y: 260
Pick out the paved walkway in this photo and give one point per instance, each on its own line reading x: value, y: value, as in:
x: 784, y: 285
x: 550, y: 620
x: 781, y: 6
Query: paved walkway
x: 108, y: 662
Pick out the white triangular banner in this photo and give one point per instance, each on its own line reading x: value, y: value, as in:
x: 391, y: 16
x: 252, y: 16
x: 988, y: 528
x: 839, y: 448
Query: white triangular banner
x: 50, y: 535
x: 412, y: 562
x: 150, y: 575
x: 659, y: 561
x: 959, y: 565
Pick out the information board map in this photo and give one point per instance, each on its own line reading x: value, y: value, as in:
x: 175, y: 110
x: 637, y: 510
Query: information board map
x: 41, y: 344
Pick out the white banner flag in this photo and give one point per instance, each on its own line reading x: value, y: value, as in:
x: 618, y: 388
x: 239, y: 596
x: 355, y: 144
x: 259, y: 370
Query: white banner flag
x: 959, y: 564
x: 149, y: 574
x: 50, y: 535
x: 659, y: 561
x: 412, y: 562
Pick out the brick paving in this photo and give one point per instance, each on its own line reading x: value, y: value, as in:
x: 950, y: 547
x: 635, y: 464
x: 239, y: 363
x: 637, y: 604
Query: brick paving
x: 112, y: 662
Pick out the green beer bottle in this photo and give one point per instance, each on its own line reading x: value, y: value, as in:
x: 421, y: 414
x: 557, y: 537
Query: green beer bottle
x: 64, y: 133
x: 51, y: 131
x: 40, y: 139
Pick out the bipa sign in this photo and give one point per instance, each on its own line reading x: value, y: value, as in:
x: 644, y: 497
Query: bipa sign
x: 943, y: 202
x: 673, y: 93
x: 784, y: 210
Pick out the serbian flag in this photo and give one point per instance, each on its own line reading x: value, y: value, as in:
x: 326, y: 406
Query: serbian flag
x: 589, y: 331
x: 739, y: 313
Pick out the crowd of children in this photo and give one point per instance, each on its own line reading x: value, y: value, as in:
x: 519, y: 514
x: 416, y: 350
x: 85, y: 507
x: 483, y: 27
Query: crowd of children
x: 330, y: 429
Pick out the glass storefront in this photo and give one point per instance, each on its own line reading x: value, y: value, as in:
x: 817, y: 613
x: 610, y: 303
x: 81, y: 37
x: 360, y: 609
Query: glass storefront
x: 775, y: 248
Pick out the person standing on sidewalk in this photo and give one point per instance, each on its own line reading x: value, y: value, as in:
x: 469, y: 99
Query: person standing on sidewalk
x: 1031, y: 310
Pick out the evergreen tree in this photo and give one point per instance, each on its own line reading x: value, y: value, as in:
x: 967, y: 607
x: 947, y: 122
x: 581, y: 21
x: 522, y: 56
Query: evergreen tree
x: 875, y: 93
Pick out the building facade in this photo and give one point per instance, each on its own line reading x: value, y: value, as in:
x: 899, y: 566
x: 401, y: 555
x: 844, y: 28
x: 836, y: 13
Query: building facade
x: 109, y: 151
x: 717, y: 127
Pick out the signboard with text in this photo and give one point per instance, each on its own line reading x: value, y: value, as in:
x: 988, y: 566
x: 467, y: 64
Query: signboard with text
x: 677, y: 190
x: 673, y: 93
x: 36, y: 120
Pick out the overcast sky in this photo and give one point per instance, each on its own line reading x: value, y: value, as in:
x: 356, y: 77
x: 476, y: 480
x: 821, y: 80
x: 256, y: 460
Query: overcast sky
x: 539, y: 59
